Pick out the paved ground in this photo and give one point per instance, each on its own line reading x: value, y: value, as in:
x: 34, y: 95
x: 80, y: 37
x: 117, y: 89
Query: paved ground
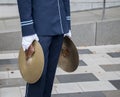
x: 98, y: 74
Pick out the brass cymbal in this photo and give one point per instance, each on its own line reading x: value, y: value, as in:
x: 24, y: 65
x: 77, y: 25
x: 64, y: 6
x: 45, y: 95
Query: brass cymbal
x: 31, y: 69
x: 69, y: 57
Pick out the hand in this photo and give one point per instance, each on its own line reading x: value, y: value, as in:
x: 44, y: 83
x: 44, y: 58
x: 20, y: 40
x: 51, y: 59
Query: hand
x: 68, y: 34
x: 30, y: 51
x: 27, y: 41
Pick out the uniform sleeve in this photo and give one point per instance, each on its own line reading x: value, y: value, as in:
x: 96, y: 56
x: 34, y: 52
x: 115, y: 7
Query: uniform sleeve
x: 67, y: 10
x: 25, y: 12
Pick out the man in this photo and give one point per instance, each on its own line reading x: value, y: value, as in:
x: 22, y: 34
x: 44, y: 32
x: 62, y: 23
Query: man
x: 46, y: 21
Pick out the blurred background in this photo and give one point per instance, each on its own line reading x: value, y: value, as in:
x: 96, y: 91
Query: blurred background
x: 94, y: 22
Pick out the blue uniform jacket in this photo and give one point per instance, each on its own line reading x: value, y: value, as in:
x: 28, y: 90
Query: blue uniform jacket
x: 44, y: 17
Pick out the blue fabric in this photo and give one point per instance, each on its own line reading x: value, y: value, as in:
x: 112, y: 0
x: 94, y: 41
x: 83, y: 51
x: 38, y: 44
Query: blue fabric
x: 48, y: 17
x: 51, y: 48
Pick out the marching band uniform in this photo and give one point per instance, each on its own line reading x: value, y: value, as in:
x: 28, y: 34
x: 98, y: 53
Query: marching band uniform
x: 46, y: 21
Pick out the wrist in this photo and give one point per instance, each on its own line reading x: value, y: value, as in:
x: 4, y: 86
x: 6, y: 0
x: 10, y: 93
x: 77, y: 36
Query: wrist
x: 27, y: 41
x: 69, y: 34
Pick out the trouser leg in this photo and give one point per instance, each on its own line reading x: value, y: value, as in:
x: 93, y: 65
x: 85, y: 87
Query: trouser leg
x: 37, y: 89
x: 53, y: 57
x: 51, y: 48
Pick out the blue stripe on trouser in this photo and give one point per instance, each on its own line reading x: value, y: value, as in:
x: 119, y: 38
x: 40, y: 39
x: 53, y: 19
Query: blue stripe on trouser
x: 51, y: 47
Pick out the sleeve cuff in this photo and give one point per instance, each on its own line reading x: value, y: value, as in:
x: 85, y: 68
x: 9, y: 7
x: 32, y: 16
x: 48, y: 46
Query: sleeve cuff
x: 27, y: 27
x: 68, y: 18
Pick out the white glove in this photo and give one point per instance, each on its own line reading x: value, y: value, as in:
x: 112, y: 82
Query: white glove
x: 27, y: 41
x: 68, y: 34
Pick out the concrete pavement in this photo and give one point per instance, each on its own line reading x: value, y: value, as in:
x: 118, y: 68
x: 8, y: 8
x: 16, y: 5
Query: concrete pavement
x: 98, y: 74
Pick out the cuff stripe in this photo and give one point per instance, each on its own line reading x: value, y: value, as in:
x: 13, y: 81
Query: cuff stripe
x: 68, y: 17
x: 27, y: 24
x: 24, y: 22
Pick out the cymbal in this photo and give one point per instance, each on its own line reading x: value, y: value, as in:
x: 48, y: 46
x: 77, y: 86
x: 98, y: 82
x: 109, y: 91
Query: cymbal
x: 31, y: 69
x: 69, y: 57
